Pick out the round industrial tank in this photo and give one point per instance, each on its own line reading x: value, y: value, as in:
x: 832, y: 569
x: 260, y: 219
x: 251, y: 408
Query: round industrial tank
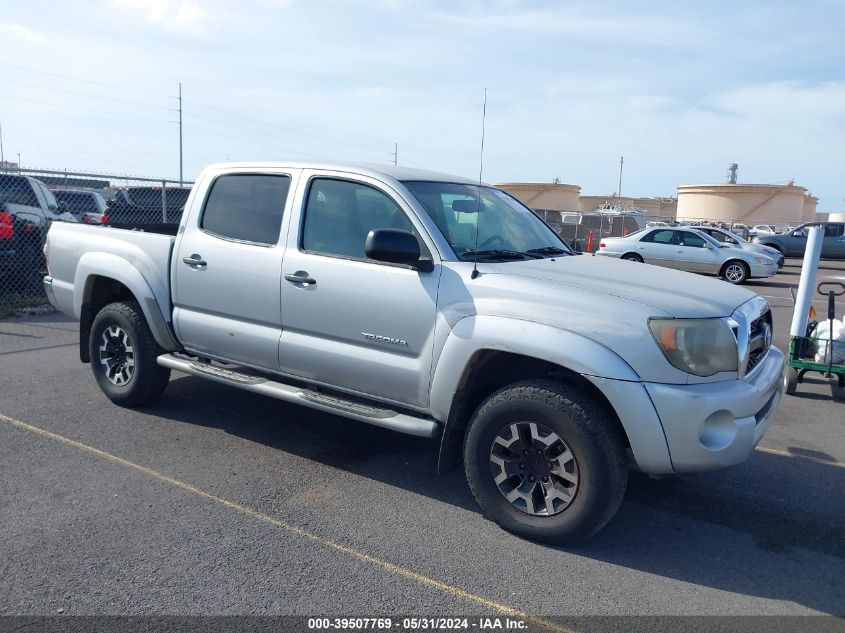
x: 538, y: 195
x: 809, y: 212
x: 749, y: 204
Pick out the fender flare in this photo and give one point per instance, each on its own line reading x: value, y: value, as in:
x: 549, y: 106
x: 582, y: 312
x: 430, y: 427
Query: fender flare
x: 606, y: 370
x: 111, y: 266
x: 474, y: 334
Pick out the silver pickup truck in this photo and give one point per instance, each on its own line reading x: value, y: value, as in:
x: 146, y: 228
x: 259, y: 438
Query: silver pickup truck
x: 435, y: 306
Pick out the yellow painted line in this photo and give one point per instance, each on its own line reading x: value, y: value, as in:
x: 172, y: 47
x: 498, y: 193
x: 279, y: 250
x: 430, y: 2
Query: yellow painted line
x: 408, y: 574
x: 809, y: 458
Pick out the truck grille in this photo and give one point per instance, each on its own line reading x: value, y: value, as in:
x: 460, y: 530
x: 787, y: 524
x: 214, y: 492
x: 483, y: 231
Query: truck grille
x: 759, y: 339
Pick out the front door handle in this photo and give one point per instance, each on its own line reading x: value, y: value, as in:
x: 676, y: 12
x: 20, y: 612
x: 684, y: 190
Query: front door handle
x: 194, y: 260
x: 301, y: 277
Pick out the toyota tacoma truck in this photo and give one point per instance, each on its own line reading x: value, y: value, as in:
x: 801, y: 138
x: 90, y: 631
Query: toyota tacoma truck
x: 437, y: 306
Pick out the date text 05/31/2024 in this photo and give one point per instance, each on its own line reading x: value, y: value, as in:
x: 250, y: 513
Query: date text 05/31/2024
x: 418, y: 623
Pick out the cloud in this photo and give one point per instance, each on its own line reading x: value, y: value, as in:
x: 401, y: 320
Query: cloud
x: 176, y: 16
x: 505, y: 16
x: 19, y: 31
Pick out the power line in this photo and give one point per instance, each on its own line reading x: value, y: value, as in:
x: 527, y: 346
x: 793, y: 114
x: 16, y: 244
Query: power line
x: 266, y: 135
x: 91, y: 110
x: 82, y: 94
x: 246, y: 140
x: 79, y: 79
x: 280, y: 128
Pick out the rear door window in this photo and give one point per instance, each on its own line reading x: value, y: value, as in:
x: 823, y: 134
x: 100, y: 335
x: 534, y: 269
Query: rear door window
x: 660, y: 237
x: 688, y: 238
x: 246, y: 207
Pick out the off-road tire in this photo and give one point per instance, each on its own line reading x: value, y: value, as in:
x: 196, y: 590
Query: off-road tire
x: 583, y: 425
x: 791, y: 380
x: 148, y: 380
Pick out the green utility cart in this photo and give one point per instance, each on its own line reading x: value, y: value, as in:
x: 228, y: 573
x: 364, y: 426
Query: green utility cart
x: 802, y: 349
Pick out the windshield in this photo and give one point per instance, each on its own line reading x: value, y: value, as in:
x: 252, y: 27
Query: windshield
x: 506, y: 228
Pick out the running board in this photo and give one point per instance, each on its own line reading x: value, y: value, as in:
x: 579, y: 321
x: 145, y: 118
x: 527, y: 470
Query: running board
x: 355, y: 410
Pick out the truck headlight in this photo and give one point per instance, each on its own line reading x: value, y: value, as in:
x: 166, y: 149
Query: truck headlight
x: 702, y: 347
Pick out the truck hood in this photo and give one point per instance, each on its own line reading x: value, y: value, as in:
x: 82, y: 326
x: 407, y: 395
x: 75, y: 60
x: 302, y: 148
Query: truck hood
x: 676, y: 293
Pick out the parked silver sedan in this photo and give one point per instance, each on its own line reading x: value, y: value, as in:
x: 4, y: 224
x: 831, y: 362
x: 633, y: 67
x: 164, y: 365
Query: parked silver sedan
x: 691, y: 250
x: 732, y: 239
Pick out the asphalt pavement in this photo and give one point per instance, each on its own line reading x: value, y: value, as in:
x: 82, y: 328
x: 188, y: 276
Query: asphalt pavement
x: 215, y: 501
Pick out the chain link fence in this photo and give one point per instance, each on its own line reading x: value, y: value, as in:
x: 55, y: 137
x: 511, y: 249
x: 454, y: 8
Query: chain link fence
x: 583, y: 230
x: 32, y: 199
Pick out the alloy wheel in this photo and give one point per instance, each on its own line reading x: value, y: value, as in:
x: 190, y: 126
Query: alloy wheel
x: 533, y: 468
x: 117, y: 356
x: 734, y: 272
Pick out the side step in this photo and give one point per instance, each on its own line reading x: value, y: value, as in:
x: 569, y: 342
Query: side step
x: 353, y: 409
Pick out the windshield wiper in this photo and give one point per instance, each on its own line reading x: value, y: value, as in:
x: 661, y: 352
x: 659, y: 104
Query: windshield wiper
x: 548, y: 250
x: 494, y: 254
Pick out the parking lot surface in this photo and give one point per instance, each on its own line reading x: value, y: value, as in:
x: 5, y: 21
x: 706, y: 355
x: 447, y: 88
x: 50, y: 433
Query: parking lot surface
x: 215, y: 501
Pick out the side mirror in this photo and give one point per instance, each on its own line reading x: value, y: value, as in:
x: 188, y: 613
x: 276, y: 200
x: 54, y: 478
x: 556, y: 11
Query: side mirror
x: 396, y: 247
x: 797, y: 233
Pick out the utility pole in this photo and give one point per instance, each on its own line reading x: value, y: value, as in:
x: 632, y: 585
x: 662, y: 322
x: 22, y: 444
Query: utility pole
x: 396, y: 153
x: 2, y: 157
x: 619, y: 185
x: 180, y: 134
x: 19, y: 161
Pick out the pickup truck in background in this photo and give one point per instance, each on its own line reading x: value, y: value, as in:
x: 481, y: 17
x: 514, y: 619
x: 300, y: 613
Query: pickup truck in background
x: 27, y: 209
x: 157, y: 209
x: 437, y: 306
x: 793, y: 243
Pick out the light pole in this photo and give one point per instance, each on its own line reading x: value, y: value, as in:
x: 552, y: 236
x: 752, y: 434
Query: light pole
x: 19, y: 161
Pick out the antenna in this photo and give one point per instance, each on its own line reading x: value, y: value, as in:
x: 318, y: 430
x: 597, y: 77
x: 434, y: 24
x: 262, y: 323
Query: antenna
x: 478, y: 196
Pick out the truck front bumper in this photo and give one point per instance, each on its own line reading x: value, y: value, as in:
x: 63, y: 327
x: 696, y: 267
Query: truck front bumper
x: 713, y: 425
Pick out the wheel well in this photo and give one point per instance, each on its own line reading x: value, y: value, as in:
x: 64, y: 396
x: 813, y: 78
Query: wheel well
x: 630, y: 253
x: 490, y: 370
x: 737, y: 261
x: 99, y: 292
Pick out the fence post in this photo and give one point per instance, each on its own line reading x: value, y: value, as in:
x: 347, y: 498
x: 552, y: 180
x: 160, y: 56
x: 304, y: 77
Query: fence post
x: 164, y: 201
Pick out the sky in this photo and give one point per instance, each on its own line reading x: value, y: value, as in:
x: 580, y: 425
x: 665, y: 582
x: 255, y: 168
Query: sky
x: 679, y: 89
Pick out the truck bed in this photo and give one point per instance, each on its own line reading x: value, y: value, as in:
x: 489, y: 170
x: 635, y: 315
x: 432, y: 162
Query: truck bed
x: 77, y: 250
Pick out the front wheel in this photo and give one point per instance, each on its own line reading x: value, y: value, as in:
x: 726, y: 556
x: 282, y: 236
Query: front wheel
x: 735, y: 272
x: 545, y: 461
x: 123, y: 356
x: 791, y: 380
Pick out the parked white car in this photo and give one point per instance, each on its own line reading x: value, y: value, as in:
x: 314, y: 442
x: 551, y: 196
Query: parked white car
x: 691, y: 250
x: 724, y: 236
x: 762, y: 229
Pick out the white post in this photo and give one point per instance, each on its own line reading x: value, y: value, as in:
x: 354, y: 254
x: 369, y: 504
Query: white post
x: 807, y: 283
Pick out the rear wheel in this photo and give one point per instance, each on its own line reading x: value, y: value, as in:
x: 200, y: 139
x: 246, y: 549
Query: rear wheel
x: 735, y: 272
x: 837, y: 387
x: 545, y: 461
x: 632, y: 257
x: 123, y: 356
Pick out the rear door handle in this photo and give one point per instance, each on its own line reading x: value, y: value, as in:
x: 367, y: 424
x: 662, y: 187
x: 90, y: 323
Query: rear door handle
x: 195, y: 260
x: 301, y: 277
